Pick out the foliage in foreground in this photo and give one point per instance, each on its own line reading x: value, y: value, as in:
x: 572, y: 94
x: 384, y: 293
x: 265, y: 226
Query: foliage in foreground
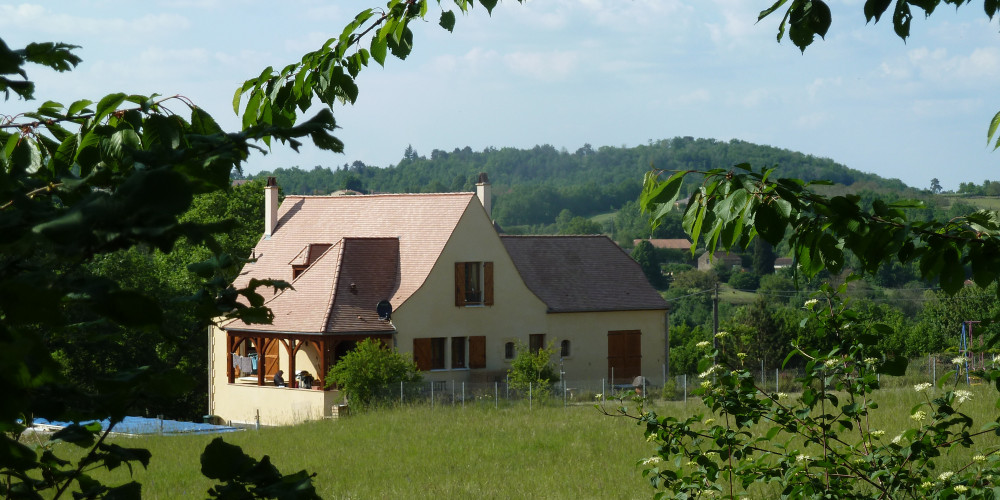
x: 820, y: 444
x: 370, y: 367
x: 88, y: 179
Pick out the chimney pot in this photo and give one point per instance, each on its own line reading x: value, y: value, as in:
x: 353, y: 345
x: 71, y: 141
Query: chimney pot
x: 270, y: 207
x: 485, y: 194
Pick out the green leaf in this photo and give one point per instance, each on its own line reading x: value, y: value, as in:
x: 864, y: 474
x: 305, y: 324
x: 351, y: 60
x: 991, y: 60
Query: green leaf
x: 379, y: 48
x: 223, y: 461
x: 489, y: 4
x: 447, y: 20
x: 766, y: 12
x: 78, y: 106
x: 109, y: 104
x: 993, y: 128
x: 875, y: 8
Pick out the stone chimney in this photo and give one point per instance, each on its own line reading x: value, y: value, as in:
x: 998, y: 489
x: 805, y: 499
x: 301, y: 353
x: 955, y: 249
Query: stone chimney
x: 484, y: 193
x: 270, y: 207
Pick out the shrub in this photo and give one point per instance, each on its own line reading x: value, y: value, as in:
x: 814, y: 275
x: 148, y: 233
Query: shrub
x: 532, y: 369
x: 366, y: 371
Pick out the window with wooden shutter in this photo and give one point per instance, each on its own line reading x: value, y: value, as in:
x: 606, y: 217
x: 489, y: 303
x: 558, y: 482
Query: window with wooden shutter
x: 477, y: 352
x: 488, y: 283
x: 422, y: 354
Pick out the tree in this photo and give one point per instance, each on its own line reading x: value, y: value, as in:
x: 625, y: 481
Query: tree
x: 936, y: 186
x: 366, y: 372
x: 763, y: 257
x: 84, y: 180
x: 645, y: 255
x: 532, y: 369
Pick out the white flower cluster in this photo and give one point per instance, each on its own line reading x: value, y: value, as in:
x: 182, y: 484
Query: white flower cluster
x: 871, y: 361
x: 810, y: 303
x: 877, y: 433
x: 922, y: 387
x: 721, y: 335
x: 708, y: 373
x: 946, y: 475
x: 962, y: 396
x: 831, y: 363
x: 979, y: 458
x: 803, y: 458
x: 703, y: 344
x: 958, y: 361
x: 919, y: 416
x: 961, y: 488
x: 652, y: 461
x: 782, y: 396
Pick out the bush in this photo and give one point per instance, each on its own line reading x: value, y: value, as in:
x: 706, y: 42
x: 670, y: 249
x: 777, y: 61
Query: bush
x: 744, y: 281
x: 532, y: 369
x: 364, y: 372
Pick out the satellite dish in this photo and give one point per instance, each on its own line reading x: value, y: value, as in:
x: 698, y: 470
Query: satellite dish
x: 384, y: 309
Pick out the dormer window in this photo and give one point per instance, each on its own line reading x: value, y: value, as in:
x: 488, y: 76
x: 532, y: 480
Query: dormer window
x: 306, y: 257
x: 473, y: 284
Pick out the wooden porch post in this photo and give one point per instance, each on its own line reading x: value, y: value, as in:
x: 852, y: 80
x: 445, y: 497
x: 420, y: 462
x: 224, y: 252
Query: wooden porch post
x: 230, y: 375
x: 260, y: 360
x: 290, y: 350
x: 323, y: 365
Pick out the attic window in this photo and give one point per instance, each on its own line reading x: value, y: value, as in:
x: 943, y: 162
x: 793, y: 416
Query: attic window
x: 473, y: 283
x: 306, y: 257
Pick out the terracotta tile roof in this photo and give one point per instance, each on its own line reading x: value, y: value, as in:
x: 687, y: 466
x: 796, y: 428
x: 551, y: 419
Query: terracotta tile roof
x: 369, y: 273
x: 675, y: 243
x: 421, y: 224
x: 581, y: 273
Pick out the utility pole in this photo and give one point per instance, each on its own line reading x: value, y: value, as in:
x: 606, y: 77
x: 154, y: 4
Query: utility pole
x: 715, y: 318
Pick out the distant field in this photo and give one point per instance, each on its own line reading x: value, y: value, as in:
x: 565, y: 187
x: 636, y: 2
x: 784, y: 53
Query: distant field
x: 603, y: 218
x: 727, y: 294
x: 983, y: 202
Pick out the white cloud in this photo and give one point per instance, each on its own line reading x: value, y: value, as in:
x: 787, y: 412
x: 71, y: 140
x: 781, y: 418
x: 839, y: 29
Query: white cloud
x: 70, y: 26
x: 818, y: 85
x: 811, y: 120
x: 546, y: 66
x: 694, y: 97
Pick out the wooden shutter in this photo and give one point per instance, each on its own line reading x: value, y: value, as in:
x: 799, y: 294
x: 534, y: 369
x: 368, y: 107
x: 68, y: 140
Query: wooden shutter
x: 477, y: 352
x: 422, y: 353
x: 488, y: 283
x: 459, y: 284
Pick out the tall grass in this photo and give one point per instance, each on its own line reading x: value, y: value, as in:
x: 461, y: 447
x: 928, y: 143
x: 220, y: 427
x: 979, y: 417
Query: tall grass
x: 481, y: 452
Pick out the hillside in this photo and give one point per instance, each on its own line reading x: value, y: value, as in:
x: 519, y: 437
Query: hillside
x: 532, y: 186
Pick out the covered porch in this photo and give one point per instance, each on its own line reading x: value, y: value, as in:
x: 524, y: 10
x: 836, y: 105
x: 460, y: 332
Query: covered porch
x: 291, y: 353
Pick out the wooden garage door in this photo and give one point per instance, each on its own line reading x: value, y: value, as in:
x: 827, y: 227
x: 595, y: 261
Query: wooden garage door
x: 624, y: 355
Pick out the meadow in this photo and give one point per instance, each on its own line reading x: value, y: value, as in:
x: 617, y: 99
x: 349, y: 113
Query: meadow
x: 476, y: 452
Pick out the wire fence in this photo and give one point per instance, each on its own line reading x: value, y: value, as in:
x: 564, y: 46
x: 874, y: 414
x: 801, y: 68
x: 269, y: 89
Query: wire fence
x: 570, y: 391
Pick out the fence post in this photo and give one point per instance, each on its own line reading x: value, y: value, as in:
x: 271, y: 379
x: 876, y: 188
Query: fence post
x: 777, y: 376
x: 463, y: 394
x: 934, y: 365
x: 685, y: 387
x: 507, y: 387
x: 602, y: 390
x: 453, y: 393
x: 400, y: 392
x: 432, y: 394
x: 529, y: 395
x: 496, y: 395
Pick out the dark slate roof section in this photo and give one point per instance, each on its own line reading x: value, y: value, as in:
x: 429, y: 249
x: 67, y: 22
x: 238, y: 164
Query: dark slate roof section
x: 369, y: 273
x: 581, y: 274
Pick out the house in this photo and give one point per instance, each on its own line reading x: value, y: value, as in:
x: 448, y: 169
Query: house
x: 430, y: 275
x: 707, y: 261
x: 667, y: 243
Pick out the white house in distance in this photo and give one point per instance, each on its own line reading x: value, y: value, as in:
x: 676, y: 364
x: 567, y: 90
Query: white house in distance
x: 461, y: 295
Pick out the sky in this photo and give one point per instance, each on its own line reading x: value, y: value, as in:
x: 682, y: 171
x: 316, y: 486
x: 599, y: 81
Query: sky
x: 564, y: 73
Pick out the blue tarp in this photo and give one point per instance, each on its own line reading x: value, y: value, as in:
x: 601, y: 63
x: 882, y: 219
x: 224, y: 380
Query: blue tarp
x: 142, y: 425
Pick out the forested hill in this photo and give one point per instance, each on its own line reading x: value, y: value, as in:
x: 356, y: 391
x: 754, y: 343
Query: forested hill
x: 532, y: 186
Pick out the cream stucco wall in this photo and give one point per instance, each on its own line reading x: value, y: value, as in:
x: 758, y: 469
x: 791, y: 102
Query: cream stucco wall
x: 516, y: 314
x: 243, y: 402
x: 588, y: 336
x: 431, y: 310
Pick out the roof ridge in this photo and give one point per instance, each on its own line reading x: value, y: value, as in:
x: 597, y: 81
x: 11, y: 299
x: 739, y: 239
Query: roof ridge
x: 380, y: 195
x: 336, y: 284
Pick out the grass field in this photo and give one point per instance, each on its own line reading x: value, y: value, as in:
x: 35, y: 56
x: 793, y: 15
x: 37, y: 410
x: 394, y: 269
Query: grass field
x: 477, y: 452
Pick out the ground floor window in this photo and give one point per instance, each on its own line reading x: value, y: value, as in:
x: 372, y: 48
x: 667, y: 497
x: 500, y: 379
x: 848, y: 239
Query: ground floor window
x: 458, y: 352
x: 564, y: 349
x: 536, y: 342
x: 429, y: 353
x: 508, y: 350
